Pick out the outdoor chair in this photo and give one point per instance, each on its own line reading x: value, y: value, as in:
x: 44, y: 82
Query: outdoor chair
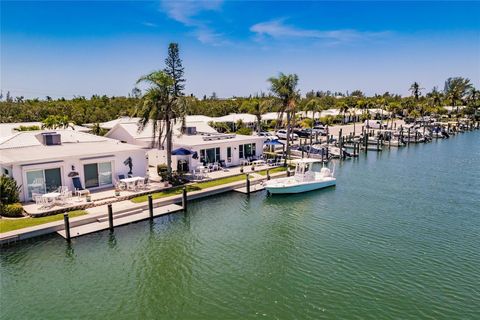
x: 79, y: 190
x: 121, y: 176
x: 65, y: 197
x: 139, y: 185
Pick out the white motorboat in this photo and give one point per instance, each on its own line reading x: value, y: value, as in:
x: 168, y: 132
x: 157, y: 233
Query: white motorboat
x: 305, y: 179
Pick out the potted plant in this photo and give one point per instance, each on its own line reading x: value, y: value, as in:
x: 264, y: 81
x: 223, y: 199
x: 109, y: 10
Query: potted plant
x: 241, y: 169
x: 253, y: 167
x: 117, y: 191
x: 88, y: 198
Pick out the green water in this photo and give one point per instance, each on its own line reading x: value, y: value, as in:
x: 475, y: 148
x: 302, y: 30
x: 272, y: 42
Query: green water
x: 398, y: 238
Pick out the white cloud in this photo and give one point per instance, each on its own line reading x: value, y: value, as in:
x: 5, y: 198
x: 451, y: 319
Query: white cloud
x: 149, y: 24
x: 186, y: 12
x: 278, y: 29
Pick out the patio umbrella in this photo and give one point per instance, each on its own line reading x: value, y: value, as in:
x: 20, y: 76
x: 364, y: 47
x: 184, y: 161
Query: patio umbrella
x: 181, y: 152
x: 273, y: 143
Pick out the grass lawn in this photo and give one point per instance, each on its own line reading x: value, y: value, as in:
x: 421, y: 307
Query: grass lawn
x: 191, y: 187
x: 19, y: 223
x: 277, y: 169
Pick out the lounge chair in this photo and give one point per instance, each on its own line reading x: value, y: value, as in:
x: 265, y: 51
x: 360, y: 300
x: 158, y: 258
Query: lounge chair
x: 79, y: 190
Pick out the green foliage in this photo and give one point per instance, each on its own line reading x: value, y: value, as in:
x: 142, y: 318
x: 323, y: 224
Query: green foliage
x: 221, y: 127
x: 307, y: 123
x: 161, y: 169
x: 12, y: 210
x: 27, y: 128
x: 245, y: 131
x: 328, y: 120
x: 9, y: 190
x: 56, y: 122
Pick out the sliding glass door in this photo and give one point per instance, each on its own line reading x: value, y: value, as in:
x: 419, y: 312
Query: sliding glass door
x: 97, y: 174
x: 43, y: 181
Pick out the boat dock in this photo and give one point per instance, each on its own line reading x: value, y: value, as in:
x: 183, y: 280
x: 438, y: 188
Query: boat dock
x: 120, y: 220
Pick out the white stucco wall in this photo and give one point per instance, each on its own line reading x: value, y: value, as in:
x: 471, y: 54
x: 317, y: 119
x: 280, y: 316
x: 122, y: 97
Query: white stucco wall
x: 19, y: 172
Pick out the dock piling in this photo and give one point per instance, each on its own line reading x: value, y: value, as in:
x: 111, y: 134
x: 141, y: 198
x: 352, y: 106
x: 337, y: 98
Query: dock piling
x: 110, y: 217
x: 150, y: 206
x: 67, y: 226
x: 184, y: 199
x: 248, y: 184
x: 268, y: 174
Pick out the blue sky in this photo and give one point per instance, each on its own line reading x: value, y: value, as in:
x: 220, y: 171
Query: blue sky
x: 231, y: 47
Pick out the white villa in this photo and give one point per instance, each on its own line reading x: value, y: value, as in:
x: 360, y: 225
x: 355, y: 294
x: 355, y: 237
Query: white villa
x: 41, y: 161
x: 204, y: 144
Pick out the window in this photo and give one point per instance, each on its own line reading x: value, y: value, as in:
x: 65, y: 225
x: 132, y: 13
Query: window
x: 247, y: 150
x: 43, y: 181
x: 97, y: 174
x: 229, y: 154
x: 211, y: 155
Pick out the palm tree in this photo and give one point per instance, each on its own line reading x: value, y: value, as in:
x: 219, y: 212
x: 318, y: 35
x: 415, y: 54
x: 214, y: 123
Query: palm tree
x: 313, y: 105
x: 343, y: 109
x: 285, y: 88
x: 416, y: 90
x: 456, y: 88
x: 158, y: 109
x: 257, y: 107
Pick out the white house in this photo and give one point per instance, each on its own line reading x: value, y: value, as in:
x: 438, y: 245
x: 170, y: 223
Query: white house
x: 41, y: 161
x: 204, y: 144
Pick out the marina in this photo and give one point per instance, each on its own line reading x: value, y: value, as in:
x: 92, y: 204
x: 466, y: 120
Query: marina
x: 366, y: 246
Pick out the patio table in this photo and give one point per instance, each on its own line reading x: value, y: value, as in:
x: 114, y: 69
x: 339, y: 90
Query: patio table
x: 130, y: 182
x: 51, y: 196
x: 259, y: 162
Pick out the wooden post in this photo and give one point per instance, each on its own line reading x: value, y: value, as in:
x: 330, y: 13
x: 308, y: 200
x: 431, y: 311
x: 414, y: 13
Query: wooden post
x: 185, y: 199
x: 110, y: 217
x: 340, y: 143
x: 365, y: 138
x: 67, y: 226
x: 248, y: 184
x: 150, y: 206
x: 408, y: 141
x: 268, y: 174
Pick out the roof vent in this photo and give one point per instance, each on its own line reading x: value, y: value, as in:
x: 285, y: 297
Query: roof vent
x: 52, y: 138
x: 191, y: 131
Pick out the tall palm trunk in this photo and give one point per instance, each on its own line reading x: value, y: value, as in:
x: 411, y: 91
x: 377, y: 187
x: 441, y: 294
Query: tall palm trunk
x: 168, y: 127
x: 288, y: 138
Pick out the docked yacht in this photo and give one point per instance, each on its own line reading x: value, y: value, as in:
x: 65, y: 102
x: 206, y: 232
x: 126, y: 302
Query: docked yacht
x: 305, y: 179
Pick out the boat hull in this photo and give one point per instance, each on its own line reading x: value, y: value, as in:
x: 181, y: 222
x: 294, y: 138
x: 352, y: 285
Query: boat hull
x: 299, y: 188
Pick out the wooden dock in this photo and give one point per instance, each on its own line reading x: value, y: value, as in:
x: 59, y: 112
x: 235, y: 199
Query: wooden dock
x: 253, y: 188
x: 119, y: 220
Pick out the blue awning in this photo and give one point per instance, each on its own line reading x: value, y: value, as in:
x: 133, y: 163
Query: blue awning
x: 181, y: 152
x: 273, y: 143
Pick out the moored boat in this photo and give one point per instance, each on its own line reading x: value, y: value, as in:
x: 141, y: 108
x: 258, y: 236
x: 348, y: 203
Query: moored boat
x: 305, y: 179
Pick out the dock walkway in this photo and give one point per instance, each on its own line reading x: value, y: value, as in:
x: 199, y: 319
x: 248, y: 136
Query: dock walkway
x: 131, y: 217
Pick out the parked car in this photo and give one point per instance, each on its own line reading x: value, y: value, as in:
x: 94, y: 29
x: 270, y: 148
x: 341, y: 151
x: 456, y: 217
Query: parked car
x: 302, y: 133
x: 268, y: 136
x: 282, y: 134
x: 374, y: 124
x: 320, y: 129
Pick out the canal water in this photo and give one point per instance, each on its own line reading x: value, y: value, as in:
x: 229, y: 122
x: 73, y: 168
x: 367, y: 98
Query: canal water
x: 397, y: 238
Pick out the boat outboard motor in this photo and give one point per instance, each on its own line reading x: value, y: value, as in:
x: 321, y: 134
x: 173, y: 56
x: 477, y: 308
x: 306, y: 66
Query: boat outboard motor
x: 325, y: 172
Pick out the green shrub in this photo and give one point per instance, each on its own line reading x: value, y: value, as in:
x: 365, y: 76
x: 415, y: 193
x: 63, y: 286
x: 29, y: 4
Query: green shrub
x: 12, y: 210
x: 9, y: 191
x: 244, y: 131
x: 162, y: 169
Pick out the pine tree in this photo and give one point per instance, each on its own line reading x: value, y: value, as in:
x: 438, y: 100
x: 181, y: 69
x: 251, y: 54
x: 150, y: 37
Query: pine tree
x: 175, y: 69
